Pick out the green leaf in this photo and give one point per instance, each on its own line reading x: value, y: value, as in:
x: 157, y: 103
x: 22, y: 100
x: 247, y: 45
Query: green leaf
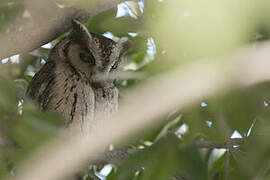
x: 162, y: 160
x: 7, y: 97
x: 24, y: 133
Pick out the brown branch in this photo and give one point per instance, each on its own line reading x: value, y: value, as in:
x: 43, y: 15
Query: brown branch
x: 118, y: 155
x: 211, y: 145
x: 114, y: 157
x: 179, y: 177
x: 47, y: 23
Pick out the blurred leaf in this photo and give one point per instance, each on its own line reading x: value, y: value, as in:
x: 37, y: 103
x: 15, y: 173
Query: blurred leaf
x: 136, y: 57
x: 35, y: 127
x: 26, y: 132
x: 235, y: 110
x: 218, y: 166
x: 196, y: 117
x: 239, y: 109
x: 148, y: 161
x: 162, y: 160
x: 21, y: 87
x: 7, y: 97
x: 112, y: 175
x: 8, y: 10
x: 106, y: 22
x: 168, y: 127
x: 188, y: 31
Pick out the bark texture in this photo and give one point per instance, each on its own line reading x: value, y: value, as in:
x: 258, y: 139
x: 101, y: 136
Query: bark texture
x: 46, y: 20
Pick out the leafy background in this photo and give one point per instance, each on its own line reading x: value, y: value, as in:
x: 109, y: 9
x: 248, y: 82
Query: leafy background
x: 164, y: 34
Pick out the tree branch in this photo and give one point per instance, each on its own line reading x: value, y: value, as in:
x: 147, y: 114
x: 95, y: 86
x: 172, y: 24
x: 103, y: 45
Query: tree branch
x: 208, y: 144
x: 114, y: 157
x: 48, y: 21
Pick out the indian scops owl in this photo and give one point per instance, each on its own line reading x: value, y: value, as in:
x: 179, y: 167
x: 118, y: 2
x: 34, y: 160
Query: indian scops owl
x: 70, y: 84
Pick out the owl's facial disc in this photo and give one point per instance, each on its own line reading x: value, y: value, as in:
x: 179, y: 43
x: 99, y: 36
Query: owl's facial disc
x: 95, y: 55
x: 80, y: 60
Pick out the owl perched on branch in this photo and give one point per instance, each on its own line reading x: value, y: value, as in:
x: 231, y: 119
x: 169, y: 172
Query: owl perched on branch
x: 77, y: 80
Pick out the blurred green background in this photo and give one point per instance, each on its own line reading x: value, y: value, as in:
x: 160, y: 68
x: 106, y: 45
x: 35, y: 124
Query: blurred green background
x: 165, y: 34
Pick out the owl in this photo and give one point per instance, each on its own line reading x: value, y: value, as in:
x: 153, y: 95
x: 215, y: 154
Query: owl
x: 78, y: 79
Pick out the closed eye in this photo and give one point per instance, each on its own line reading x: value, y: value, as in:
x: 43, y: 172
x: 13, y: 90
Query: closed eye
x: 87, y: 57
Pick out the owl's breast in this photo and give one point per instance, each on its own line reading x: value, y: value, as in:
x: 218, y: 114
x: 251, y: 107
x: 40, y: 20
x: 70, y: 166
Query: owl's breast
x: 74, y: 99
x: 59, y: 89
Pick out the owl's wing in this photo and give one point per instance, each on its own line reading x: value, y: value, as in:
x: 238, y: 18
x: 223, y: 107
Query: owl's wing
x: 41, y: 83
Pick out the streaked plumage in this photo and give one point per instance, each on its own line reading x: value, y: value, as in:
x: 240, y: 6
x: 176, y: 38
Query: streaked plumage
x: 68, y: 83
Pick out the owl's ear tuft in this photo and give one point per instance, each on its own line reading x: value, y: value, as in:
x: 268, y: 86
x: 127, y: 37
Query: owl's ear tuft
x: 80, y: 32
x: 123, y: 44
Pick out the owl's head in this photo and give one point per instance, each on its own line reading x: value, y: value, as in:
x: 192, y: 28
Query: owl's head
x: 90, y: 54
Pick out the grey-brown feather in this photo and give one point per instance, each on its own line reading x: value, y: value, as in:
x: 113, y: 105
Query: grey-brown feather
x: 68, y: 83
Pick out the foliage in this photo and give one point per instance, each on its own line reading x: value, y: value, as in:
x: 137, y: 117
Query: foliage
x: 161, y: 39
x: 23, y: 128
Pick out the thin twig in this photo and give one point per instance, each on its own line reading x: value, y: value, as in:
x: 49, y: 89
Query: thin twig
x: 211, y: 145
x: 226, y: 165
x: 115, y: 156
x: 179, y: 177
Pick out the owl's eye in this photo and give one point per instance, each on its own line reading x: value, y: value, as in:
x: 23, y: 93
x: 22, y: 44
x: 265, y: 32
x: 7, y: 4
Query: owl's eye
x: 87, y: 57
